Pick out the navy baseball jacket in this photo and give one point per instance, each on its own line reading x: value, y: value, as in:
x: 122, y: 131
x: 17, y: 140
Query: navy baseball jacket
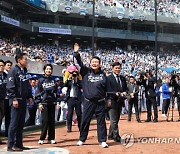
x: 46, y: 90
x: 18, y: 86
x: 94, y: 84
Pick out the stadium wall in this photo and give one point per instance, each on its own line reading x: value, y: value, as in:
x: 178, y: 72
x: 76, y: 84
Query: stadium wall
x: 36, y: 67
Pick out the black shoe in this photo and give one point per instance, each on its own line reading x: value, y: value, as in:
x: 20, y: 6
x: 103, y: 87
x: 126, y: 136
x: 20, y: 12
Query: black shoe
x: 117, y: 139
x: 23, y: 148
x: 69, y: 130
x: 138, y: 120
x: 1, y: 142
x: 14, y: 149
x: 155, y: 120
x: 129, y: 119
x: 10, y: 149
x: 6, y: 134
x: 178, y: 120
x: 110, y: 138
x: 148, y: 120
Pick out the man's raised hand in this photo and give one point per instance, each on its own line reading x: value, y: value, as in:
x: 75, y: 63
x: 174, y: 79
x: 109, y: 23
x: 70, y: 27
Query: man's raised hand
x: 76, y: 47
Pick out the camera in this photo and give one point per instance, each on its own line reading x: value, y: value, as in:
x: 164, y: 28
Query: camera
x: 74, y: 75
x: 142, y: 77
x: 173, y: 80
x: 174, y: 84
x: 140, y: 80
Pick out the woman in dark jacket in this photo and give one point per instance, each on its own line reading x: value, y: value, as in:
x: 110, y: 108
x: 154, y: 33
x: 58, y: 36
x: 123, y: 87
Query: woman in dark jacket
x: 46, y: 98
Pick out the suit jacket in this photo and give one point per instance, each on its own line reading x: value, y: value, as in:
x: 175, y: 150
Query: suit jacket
x: 132, y: 88
x: 149, y: 88
x: 113, y: 88
x: 78, y: 87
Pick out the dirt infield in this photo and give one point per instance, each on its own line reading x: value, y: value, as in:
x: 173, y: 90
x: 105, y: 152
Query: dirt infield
x: 162, y: 137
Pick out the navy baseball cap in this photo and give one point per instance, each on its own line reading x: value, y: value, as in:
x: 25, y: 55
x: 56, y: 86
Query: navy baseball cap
x: 57, y: 79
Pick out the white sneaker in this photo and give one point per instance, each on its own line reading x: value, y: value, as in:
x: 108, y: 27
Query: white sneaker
x: 164, y: 115
x: 51, y: 141
x: 40, y: 142
x: 104, y: 145
x: 80, y: 143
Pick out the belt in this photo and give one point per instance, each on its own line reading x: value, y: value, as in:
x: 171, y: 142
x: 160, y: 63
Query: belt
x: 94, y: 100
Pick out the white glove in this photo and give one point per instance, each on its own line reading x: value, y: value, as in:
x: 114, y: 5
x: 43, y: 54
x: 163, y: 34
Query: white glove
x: 170, y: 89
x: 62, y: 104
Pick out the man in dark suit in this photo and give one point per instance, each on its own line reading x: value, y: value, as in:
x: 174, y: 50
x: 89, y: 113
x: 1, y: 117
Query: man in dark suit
x: 133, y: 90
x: 116, y: 91
x: 150, y: 96
x: 175, y: 83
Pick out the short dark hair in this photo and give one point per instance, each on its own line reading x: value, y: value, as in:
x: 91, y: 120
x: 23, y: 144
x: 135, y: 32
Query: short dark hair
x: 19, y: 56
x: 50, y: 65
x: 116, y: 64
x: 8, y: 61
x: 2, y: 61
x: 131, y: 77
x: 96, y: 57
x: 17, y: 51
x: 149, y: 72
x: 33, y: 79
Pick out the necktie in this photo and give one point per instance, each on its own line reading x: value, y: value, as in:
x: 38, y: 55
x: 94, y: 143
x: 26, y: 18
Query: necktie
x: 119, y: 81
x: 133, y: 88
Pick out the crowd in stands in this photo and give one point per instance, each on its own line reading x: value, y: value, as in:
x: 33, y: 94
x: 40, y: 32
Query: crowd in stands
x: 164, y: 7
x: 133, y: 61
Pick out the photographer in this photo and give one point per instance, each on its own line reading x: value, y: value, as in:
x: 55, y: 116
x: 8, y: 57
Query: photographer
x: 175, y: 81
x: 73, y: 97
x: 150, y: 84
x: 141, y: 82
x: 141, y: 79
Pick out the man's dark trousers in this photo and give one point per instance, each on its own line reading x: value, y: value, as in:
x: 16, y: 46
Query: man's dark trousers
x: 114, y: 114
x: 16, y: 124
x: 151, y: 101
x: 89, y: 108
x: 7, y: 115
x: 130, y: 105
x: 178, y: 103
x: 32, y: 116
